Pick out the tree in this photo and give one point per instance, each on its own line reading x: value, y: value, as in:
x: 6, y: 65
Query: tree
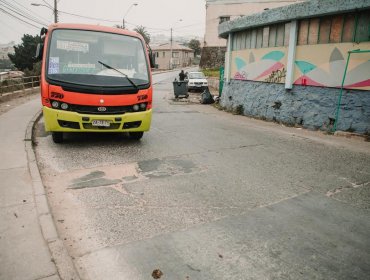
x: 143, y: 32
x: 24, y: 53
x: 195, y: 45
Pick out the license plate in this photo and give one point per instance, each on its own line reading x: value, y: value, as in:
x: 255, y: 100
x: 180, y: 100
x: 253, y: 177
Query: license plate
x: 100, y: 123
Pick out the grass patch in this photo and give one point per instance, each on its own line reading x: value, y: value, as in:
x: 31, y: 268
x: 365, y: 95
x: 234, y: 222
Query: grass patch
x: 211, y: 72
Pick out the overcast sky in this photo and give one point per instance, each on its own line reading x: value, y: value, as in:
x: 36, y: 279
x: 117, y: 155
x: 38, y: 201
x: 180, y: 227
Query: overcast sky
x: 187, y: 17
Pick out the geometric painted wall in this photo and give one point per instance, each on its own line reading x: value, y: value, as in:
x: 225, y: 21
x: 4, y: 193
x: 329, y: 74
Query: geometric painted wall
x: 315, y: 65
x: 265, y: 65
x: 324, y: 65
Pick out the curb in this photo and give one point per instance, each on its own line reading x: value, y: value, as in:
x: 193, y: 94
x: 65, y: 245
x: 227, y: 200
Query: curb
x: 59, y: 253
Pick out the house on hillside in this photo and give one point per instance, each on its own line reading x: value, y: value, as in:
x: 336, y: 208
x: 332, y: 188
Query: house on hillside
x: 181, y: 56
x: 288, y: 65
x: 219, y: 11
x: 5, y: 49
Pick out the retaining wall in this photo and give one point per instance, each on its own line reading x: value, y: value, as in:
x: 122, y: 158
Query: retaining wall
x: 309, y: 107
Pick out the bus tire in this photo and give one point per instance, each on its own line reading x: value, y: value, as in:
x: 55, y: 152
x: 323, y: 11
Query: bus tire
x: 57, y: 137
x: 136, y: 135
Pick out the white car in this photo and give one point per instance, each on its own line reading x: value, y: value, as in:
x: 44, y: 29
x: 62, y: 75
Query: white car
x: 197, y: 81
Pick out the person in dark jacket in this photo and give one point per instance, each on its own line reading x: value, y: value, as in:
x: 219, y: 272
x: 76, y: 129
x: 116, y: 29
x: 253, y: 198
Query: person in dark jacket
x: 182, y: 75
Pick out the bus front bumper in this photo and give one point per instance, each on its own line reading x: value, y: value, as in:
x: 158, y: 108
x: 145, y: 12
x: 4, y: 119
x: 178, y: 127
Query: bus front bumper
x: 65, y: 121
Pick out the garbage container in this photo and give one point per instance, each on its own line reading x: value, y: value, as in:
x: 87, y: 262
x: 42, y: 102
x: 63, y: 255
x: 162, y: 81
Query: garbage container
x: 180, y: 89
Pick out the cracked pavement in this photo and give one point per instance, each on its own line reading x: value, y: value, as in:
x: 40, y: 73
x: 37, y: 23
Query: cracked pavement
x: 210, y: 195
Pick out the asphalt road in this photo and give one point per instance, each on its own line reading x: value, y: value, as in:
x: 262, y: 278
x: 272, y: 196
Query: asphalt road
x: 210, y: 195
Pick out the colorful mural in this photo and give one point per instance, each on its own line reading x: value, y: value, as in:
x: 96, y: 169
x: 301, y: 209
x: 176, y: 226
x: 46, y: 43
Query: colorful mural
x: 315, y: 65
x: 265, y: 65
x: 324, y: 65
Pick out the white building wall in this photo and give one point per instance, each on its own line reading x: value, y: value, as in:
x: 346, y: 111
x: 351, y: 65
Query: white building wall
x: 233, y: 8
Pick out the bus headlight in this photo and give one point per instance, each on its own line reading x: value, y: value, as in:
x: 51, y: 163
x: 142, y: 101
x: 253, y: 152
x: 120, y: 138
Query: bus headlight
x: 142, y: 106
x: 64, y: 106
x: 135, y: 107
x: 55, y: 104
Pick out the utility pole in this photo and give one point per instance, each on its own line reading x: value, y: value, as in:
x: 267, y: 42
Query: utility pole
x: 47, y: 5
x: 129, y: 8
x: 171, y: 51
x: 171, y: 43
x: 55, y: 12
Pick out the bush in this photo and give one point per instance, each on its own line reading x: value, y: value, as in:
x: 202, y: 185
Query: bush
x: 239, y: 110
x: 11, y: 85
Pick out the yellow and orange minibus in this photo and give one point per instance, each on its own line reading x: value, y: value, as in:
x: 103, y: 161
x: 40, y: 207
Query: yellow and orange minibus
x: 95, y: 79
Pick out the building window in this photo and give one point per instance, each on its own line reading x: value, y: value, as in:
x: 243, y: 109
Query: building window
x: 363, y: 27
x: 336, y: 29
x: 286, y: 34
x: 272, y: 36
x: 233, y: 42
x: 280, y: 34
x: 325, y: 25
x: 259, y: 38
x: 248, y: 39
x: 223, y: 19
x: 303, y: 31
x: 157, y: 54
x: 263, y: 37
x: 253, y: 38
x: 350, y: 27
x: 313, y: 34
x: 175, y: 54
x: 242, y: 41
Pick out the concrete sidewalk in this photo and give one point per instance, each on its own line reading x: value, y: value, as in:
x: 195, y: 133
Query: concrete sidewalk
x: 29, y: 245
x: 30, y: 248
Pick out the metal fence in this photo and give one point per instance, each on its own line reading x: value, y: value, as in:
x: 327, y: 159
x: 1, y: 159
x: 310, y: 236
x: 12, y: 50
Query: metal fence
x: 19, y: 83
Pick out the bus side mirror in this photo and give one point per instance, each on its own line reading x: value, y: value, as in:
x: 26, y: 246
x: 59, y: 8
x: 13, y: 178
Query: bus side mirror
x: 43, y: 31
x: 152, y: 59
x: 39, y: 51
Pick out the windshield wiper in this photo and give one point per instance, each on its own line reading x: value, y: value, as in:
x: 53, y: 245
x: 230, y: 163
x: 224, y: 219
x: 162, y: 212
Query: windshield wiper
x: 125, y: 75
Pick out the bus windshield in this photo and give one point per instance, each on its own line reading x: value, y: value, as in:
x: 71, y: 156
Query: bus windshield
x: 75, y: 57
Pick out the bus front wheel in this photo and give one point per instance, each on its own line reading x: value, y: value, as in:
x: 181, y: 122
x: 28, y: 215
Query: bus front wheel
x: 136, y: 135
x: 57, y: 137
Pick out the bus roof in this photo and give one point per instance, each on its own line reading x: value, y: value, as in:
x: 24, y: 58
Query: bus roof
x: 91, y: 27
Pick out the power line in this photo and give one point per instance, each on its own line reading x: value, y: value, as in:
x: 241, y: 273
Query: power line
x: 21, y: 12
x: 11, y: 27
x: 81, y: 16
x: 146, y: 27
x: 50, y: 6
x: 112, y: 21
x: 27, y: 9
x: 10, y: 14
x: 11, y: 8
x: 130, y: 23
